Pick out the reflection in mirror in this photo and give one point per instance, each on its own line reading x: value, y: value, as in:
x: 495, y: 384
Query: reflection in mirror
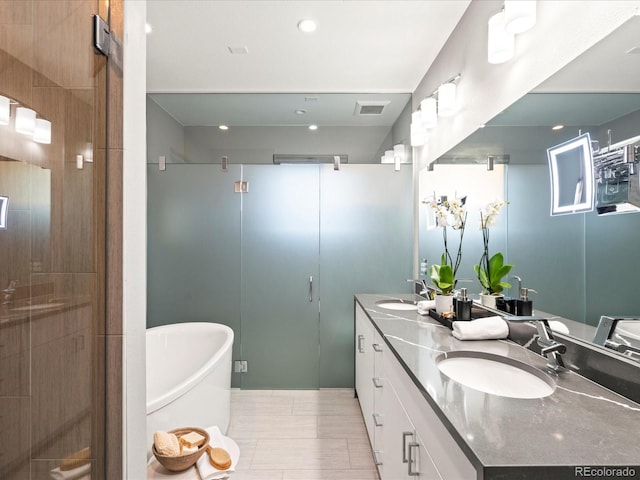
x: 571, y: 168
x: 583, y: 266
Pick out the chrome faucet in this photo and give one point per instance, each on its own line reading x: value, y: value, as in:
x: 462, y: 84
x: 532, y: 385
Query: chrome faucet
x: 606, y: 328
x: 519, y: 280
x: 549, y: 346
x: 424, y: 288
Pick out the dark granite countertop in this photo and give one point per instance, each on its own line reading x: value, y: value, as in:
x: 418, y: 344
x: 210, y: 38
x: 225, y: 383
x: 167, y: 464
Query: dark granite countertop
x: 580, y: 424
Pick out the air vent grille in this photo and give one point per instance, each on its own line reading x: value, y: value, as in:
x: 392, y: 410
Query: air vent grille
x: 279, y: 158
x: 370, y: 107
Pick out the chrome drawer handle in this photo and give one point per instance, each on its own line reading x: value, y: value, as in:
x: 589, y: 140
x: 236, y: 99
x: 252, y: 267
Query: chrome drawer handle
x: 360, y: 340
x: 376, y: 422
x: 377, y: 382
x: 376, y: 460
x: 377, y: 347
x: 404, y: 445
x: 412, y: 461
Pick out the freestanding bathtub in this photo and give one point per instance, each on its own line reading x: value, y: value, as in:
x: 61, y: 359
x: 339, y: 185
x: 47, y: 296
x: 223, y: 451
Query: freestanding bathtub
x: 188, y: 376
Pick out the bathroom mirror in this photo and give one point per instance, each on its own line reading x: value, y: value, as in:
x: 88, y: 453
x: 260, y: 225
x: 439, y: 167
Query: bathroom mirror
x: 582, y: 266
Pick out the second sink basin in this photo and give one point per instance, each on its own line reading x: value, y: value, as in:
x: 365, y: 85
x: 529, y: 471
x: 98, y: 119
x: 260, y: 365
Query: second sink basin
x: 496, y: 374
x: 397, y: 304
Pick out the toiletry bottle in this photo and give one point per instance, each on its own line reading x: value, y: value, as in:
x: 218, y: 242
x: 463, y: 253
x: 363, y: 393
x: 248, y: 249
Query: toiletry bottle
x: 524, y: 306
x: 463, y: 306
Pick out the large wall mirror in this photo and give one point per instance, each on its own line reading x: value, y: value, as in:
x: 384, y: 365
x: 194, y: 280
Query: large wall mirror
x: 582, y: 265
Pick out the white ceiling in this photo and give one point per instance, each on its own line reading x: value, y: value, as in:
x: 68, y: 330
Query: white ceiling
x: 360, y: 46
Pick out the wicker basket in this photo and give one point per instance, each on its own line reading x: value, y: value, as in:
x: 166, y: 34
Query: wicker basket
x: 182, y: 462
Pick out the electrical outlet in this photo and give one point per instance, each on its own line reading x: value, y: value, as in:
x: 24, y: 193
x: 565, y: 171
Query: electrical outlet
x: 240, y: 366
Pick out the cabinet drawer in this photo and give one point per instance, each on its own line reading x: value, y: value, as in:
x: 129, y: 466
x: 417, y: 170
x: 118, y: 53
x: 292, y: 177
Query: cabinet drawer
x: 448, y: 457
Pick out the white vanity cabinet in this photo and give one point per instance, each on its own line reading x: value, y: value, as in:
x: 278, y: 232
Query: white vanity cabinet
x: 402, y: 451
x: 369, y: 384
x: 410, y: 440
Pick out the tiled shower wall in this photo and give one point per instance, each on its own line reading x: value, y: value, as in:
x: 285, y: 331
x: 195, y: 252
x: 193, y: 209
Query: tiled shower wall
x: 60, y: 255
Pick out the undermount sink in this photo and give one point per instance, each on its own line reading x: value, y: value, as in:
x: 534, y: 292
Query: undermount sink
x: 496, y: 374
x: 397, y: 304
x: 628, y: 329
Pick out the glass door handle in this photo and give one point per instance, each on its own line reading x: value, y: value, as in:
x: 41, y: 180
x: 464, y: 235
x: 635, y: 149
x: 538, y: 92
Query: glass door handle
x: 311, y: 288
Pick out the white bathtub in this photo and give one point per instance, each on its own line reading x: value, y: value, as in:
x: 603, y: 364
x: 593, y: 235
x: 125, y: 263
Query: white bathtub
x: 188, y: 376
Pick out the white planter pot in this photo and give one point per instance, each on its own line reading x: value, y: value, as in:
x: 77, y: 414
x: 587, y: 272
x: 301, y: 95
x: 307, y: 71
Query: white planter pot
x: 444, y: 304
x: 489, y: 300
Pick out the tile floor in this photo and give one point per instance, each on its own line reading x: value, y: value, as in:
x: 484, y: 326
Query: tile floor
x: 300, y: 435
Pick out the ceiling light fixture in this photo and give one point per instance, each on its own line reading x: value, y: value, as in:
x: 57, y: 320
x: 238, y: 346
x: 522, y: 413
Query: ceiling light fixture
x: 501, y: 44
x: 313, y: 127
x: 557, y: 127
x: 300, y: 111
x: 223, y: 127
x: 519, y: 15
x: 307, y: 26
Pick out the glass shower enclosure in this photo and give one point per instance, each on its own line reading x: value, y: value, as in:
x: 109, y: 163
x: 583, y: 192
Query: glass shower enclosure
x: 277, y: 252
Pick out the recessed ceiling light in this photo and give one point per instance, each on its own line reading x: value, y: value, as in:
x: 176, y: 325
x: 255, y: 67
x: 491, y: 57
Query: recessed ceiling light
x: 223, y: 127
x: 557, y: 127
x: 147, y: 28
x: 300, y: 111
x: 313, y: 127
x: 307, y: 26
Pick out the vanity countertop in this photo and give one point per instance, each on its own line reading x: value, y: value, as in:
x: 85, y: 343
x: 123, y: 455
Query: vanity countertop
x: 581, y: 424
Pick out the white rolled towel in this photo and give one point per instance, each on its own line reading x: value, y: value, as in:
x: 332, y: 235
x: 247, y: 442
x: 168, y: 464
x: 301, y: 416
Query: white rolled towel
x: 81, y: 473
x: 487, y: 328
x: 425, y: 305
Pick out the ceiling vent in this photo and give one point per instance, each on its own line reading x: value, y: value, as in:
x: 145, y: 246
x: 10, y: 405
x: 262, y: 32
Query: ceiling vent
x: 373, y: 107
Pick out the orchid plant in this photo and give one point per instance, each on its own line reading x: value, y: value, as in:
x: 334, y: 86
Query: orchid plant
x: 449, y: 213
x: 491, y: 269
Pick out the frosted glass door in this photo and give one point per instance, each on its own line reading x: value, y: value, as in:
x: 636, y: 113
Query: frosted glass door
x: 280, y: 284
x: 193, y: 249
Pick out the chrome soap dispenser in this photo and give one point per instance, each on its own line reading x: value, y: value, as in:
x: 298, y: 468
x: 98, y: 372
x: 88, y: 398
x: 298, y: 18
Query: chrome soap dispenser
x: 463, y: 306
x: 524, y: 306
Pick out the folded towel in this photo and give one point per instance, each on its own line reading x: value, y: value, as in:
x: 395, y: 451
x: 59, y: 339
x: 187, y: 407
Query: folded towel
x: 81, y: 473
x: 425, y: 305
x: 205, y: 469
x: 488, y: 328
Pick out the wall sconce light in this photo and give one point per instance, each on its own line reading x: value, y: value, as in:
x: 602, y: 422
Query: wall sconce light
x: 25, y: 120
x: 519, y: 15
x: 429, y: 116
x: 447, y: 99
x: 5, y: 110
x: 418, y: 134
x: 398, y: 156
x: 501, y: 43
x: 42, y: 131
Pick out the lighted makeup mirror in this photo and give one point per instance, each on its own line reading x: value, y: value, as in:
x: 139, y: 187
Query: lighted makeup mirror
x: 571, y: 168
